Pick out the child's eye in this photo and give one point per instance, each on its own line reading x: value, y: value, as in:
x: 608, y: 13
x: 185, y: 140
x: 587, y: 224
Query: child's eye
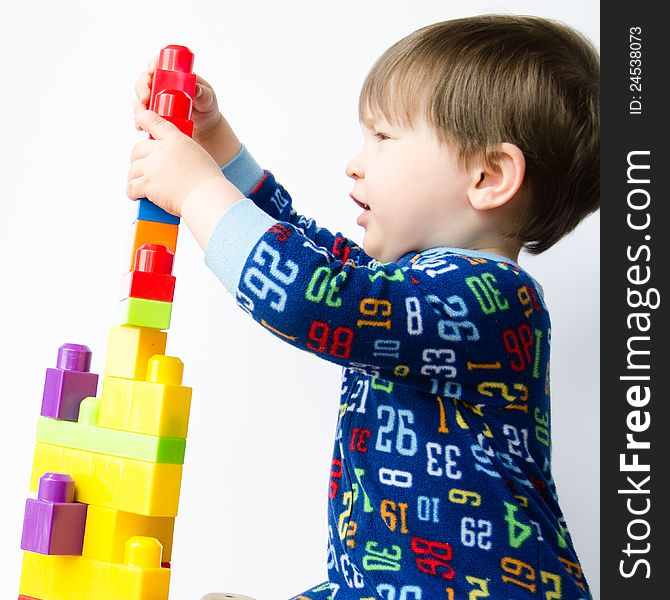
x: 381, y: 136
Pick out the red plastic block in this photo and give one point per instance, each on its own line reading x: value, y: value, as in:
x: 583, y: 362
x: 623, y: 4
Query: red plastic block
x: 172, y: 93
x: 151, y: 279
x: 22, y: 597
x: 173, y: 87
x: 173, y: 72
x: 171, y: 104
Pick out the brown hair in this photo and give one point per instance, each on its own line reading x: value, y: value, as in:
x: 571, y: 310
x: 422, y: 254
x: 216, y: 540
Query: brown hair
x: 484, y: 80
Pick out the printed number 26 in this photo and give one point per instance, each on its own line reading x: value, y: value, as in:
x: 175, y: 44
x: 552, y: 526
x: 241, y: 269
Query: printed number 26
x: 268, y: 282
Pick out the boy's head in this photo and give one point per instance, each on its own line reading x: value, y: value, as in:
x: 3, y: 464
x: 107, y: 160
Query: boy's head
x: 510, y: 105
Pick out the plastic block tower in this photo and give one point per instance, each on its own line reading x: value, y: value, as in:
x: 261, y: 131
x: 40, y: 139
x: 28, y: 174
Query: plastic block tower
x: 107, y: 468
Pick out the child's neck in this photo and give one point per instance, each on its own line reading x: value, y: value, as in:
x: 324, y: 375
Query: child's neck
x: 510, y: 250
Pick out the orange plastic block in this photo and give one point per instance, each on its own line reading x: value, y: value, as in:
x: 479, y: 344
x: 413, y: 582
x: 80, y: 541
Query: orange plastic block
x: 139, y: 577
x: 129, y: 349
x: 150, y: 232
x: 107, y: 531
x: 126, y: 484
x: 159, y: 406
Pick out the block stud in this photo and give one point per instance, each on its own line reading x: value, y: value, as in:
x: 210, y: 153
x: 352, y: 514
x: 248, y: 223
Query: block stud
x: 173, y: 103
x: 167, y: 370
x: 143, y: 552
x: 56, y: 487
x: 175, y: 58
x: 88, y: 411
x: 154, y: 258
x: 74, y: 357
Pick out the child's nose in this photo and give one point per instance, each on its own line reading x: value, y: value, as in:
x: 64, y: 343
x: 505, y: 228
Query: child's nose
x: 354, y: 168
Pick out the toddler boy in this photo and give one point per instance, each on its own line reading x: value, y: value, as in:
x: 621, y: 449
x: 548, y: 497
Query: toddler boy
x: 480, y: 138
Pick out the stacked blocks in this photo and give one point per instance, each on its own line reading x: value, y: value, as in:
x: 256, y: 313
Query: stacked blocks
x: 172, y: 93
x: 107, y: 468
x: 151, y: 232
x: 107, y: 530
x: 173, y: 87
x: 140, y: 575
x: 165, y: 404
x: 125, y: 444
x: 148, y: 289
x: 133, y: 485
x: 129, y: 350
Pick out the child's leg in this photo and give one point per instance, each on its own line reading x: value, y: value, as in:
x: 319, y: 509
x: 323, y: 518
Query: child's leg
x: 320, y: 592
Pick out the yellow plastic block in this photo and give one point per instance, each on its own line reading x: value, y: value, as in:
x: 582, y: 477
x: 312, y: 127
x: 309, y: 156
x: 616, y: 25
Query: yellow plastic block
x: 80, y: 578
x: 159, y: 406
x: 129, y: 350
x: 107, y: 531
x: 126, y: 484
x: 150, y: 232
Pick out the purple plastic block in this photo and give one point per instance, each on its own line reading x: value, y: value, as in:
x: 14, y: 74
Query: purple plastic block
x: 54, y: 524
x: 69, y: 383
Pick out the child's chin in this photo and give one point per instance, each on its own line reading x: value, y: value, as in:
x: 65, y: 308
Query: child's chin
x: 377, y: 251
x: 372, y: 250
x: 380, y: 255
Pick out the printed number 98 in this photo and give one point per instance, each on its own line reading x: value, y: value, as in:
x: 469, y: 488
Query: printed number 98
x: 340, y: 345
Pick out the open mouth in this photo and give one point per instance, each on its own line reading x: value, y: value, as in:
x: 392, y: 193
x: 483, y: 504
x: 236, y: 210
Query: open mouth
x: 363, y: 206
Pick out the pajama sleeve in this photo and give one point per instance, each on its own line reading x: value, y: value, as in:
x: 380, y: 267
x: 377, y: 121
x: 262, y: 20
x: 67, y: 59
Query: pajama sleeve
x: 429, y: 321
x: 247, y: 175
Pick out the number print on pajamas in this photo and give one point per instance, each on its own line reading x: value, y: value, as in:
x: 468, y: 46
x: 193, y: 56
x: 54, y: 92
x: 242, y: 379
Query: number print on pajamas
x: 440, y: 483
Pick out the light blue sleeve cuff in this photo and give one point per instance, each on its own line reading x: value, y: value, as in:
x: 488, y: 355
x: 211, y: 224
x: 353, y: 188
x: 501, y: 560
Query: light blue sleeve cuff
x: 243, y: 171
x: 233, y: 239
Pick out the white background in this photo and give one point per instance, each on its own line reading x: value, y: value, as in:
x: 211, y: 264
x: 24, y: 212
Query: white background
x: 252, y: 513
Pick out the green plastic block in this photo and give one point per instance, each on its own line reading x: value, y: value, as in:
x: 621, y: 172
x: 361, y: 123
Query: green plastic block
x: 141, y: 312
x: 86, y: 435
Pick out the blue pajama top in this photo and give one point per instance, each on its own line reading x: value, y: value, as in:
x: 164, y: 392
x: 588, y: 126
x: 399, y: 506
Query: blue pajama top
x: 440, y: 482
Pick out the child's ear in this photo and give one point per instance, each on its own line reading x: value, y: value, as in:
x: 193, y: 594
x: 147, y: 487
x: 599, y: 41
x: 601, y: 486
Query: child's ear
x: 495, y: 184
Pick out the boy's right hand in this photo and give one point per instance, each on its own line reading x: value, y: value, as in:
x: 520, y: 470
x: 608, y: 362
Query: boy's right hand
x: 210, y: 129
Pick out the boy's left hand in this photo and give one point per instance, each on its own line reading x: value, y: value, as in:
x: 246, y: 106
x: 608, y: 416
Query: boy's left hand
x: 169, y: 168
